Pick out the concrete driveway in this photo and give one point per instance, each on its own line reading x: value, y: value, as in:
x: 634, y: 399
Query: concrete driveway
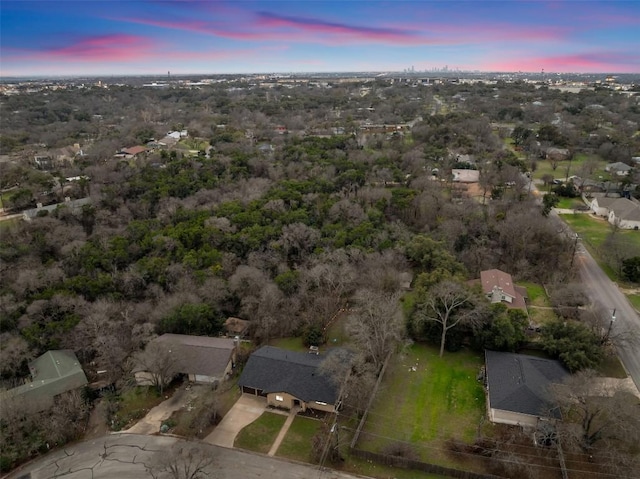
x: 150, y: 424
x: 247, y: 409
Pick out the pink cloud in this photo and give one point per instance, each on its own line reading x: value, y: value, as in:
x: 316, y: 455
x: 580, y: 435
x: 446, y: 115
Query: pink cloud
x: 271, y: 27
x: 582, y: 63
x: 96, y: 48
x: 353, y: 32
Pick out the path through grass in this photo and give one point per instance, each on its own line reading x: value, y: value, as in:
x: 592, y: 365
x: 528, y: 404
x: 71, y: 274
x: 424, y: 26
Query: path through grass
x: 260, y: 434
x: 297, y: 443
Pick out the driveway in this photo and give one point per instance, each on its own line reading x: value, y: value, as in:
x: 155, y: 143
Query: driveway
x: 150, y: 424
x: 247, y: 409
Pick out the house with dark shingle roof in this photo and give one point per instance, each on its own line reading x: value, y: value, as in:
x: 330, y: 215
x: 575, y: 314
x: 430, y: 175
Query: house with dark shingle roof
x: 498, y: 287
x: 203, y: 359
x: 54, y: 373
x: 518, y: 387
x: 289, y: 379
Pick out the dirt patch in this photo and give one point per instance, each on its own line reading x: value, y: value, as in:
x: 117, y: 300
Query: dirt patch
x: 97, y: 424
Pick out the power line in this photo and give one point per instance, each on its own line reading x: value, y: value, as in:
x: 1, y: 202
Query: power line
x: 501, y: 459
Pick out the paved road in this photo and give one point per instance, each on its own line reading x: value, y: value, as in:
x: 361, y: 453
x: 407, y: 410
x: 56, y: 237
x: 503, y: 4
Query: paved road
x: 124, y: 456
x: 604, y: 292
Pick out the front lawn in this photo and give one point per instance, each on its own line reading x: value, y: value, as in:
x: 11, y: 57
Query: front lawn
x: 260, y: 434
x: 133, y: 404
x: 297, y: 443
x: 571, y: 204
x: 425, y: 400
x: 591, y: 230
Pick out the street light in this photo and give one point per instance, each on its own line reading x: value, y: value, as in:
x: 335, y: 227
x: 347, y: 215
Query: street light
x: 613, y: 318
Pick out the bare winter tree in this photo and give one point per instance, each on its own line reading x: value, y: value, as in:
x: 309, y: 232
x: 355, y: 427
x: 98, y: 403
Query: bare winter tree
x: 182, y: 461
x: 354, y: 376
x: 567, y: 299
x: 158, y: 362
x: 602, y: 323
x: 376, y: 325
x: 448, y: 304
x: 595, y: 412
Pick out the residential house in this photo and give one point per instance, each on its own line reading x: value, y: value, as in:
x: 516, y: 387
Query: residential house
x: 176, y: 135
x: 518, y: 387
x: 465, y: 176
x: 498, y: 286
x: 289, y: 379
x: 54, y: 373
x: 203, y: 359
x: 556, y: 154
x: 618, y: 168
x: 622, y: 212
x: 590, y: 186
x: 74, y: 205
x: 133, y: 151
x: 43, y: 162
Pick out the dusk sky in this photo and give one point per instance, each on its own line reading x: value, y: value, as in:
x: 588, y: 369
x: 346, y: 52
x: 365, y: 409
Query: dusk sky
x: 152, y: 37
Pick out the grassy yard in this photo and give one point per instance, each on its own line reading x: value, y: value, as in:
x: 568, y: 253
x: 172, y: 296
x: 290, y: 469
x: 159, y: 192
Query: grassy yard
x: 260, y: 434
x: 133, y: 404
x: 365, y: 468
x: 571, y: 203
x: 540, y: 311
x: 611, y: 367
x: 595, y: 231
x: 441, y: 399
x: 297, y: 443
x: 292, y: 344
x: 565, y: 168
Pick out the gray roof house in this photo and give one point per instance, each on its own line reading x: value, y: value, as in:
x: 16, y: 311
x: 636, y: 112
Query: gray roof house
x: 75, y: 206
x: 289, y: 379
x: 52, y: 374
x: 518, y: 387
x: 203, y: 359
x: 622, y: 212
x: 619, y: 168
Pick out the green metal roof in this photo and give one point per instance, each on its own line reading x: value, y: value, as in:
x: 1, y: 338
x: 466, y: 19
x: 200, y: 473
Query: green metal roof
x: 53, y: 373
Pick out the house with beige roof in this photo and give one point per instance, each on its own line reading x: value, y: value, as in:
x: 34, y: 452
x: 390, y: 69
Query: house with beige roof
x: 203, y: 359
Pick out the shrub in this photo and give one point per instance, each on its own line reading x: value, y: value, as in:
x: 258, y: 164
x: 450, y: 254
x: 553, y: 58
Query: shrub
x: 401, y: 449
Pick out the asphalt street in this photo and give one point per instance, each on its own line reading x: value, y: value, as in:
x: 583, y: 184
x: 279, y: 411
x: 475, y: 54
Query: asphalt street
x: 603, y: 291
x: 126, y: 456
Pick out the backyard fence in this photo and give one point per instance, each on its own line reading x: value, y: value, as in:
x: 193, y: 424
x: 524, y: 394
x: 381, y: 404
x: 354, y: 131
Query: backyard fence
x: 405, y: 463
x: 356, y: 436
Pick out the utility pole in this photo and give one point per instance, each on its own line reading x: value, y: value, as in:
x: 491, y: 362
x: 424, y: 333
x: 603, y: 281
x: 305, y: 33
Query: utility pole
x: 613, y: 318
x: 573, y: 255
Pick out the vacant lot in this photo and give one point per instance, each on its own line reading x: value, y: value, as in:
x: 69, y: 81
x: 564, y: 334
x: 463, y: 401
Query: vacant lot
x: 540, y: 310
x: 425, y: 400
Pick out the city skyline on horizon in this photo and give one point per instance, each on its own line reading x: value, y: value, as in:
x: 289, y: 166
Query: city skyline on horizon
x: 140, y: 38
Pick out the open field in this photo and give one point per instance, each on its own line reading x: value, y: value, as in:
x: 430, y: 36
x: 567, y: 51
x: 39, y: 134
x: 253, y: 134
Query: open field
x: 565, y: 168
x: 439, y: 400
